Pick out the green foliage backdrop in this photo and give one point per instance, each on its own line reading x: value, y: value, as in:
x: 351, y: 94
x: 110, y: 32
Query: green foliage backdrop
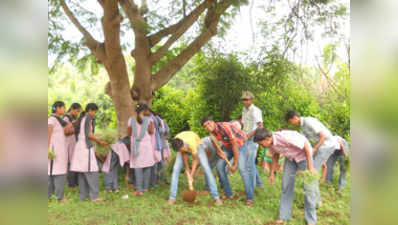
x: 212, y: 86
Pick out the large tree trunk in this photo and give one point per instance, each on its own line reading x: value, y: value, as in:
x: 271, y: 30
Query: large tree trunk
x: 142, y: 88
x: 115, y: 65
x: 119, y: 91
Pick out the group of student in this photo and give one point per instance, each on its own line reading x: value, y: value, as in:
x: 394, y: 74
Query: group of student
x: 143, y: 152
x: 230, y: 146
x: 239, y: 141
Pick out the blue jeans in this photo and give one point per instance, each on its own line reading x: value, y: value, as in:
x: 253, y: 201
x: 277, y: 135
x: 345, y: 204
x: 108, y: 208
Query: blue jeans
x: 252, y: 151
x: 288, y: 183
x: 212, y: 163
x: 259, y: 182
x: 206, y: 169
x: 336, y: 156
x: 245, y: 169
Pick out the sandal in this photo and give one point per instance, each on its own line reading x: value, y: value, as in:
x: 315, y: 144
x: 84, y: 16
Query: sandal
x: 228, y: 197
x: 138, y: 193
x: 64, y: 200
x: 218, y: 202
x: 249, y: 202
x: 116, y: 191
x: 98, y: 200
x: 171, y: 201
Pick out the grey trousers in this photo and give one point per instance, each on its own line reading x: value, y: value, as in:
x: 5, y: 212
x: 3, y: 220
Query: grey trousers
x: 154, y: 174
x: 322, y: 155
x: 336, y: 156
x: 72, y: 178
x: 320, y: 158
x: 131, y: 175
x: 56, y: 184
x: 88, y: 185
x: 110, y: 179
x: 288, y: 183
x: 142, y: 178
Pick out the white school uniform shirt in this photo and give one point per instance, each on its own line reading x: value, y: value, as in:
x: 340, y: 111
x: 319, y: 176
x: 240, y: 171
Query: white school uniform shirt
x: 208, y: 143
x: 343, y: 141
x: 251, y: 117
x: 311, y: 126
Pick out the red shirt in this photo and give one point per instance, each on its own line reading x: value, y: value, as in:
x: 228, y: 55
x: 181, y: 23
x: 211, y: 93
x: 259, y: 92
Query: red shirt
x: 226, y: 133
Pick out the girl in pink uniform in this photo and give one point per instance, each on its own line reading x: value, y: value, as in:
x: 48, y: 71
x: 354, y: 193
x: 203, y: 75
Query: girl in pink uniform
x: 141, y: 130
x: 57, y: 167
x: 84, y: 161
x: 71, y: 117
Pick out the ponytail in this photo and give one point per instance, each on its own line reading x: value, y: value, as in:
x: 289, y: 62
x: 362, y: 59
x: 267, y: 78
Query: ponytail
x: 74, y: 106
x: 139, y: 109
x: 56, y: 105
x: 89, y: 107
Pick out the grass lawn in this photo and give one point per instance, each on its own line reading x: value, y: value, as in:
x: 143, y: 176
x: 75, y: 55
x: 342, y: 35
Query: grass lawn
x: 151, y: 208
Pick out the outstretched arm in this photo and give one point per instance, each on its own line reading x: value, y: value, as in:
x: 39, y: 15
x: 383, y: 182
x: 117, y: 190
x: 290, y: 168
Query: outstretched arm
x: 186, y: 164
x: 308, y: 156
x: 275, y: 159
x: 194, y: 164
x: 50, y: 131
x: 343, y: 148
x: 322, y: 138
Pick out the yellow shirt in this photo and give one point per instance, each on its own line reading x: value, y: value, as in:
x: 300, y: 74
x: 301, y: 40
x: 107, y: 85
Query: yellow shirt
x: 191, y: 139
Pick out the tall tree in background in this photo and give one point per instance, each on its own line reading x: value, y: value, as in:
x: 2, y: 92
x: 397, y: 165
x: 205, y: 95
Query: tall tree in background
x: 147, y: 51
x: 156, y: 30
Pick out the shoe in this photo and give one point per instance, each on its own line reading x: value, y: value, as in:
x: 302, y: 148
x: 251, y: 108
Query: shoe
x: 249, y: 202
x: 171, y: 201
x: 138, y: 193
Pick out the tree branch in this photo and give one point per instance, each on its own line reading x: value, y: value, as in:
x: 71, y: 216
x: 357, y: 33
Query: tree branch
x: 111, y: 28
x: 176, y: 30
x: 138, y: 24
x: 143, y: 8
x: 101, y: 2
x: 96, y: 48
x: 211, y: 22
x: 132, y: 12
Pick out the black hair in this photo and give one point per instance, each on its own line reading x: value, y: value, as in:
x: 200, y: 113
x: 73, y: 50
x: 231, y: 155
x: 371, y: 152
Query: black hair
x: 290, y: 114
x: 239, y: 117
x: 142, y: 107
x: 74, y: 106
x: 139, y: 109
x: 56, y: 105
x: 205, y: 119
x: 176, y: 144
x: 261, y: 134
x: 89, y: 107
